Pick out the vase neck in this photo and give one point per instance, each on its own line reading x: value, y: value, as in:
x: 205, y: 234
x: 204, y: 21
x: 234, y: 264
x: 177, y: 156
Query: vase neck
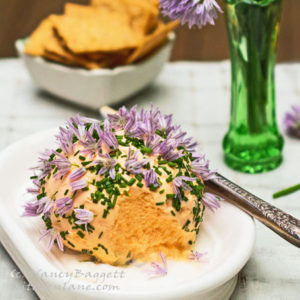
x: 253, y: 31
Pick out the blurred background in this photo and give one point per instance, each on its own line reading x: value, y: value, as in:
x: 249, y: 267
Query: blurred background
x: 18, y: 18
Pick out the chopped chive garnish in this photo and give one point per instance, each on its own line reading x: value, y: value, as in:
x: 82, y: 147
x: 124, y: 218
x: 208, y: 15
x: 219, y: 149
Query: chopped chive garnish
x: 104, y: 248
x: 131, y: 181
x: 169, y: 179
x: 157, y: 171
x: 105, y: 213
x: 159, y: 203
x: 145, y: 150
x: 139, y: 177
x: 287, y: 191
x: 80, y: 233
x: 81, y: 157
x: 172, y: 164
x: 71, y: 244
x: 139, y: 184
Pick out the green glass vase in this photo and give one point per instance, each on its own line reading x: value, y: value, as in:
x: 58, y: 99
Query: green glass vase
x: 253, y: 143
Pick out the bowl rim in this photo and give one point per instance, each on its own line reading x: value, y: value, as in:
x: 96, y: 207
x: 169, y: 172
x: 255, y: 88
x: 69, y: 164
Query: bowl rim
x: 20, y: 43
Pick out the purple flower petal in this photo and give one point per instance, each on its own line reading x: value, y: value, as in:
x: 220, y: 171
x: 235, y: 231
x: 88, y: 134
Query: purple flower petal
x: 78, y: 184
x: 159, y: 268
x: 211, y: 201
x: 119, y: 120
x: 84, y: 216
x: 53, y: 236
x: 153, y: 142
x: 132, y: 164
x: 292, y: 121
x: 196, y: 255
x: 193, y: 12
x: 108, y: 165
x: 63, y: 205
x: 65, y: 139
x: 37, y: 207
x: 77, y: 174
x: 200, y: 167
x: 108, y: 137
x: 31, y: 209
x: 62, y: 164
x: 168, y: 150
x: 178, y: 182
x: 151, y: 178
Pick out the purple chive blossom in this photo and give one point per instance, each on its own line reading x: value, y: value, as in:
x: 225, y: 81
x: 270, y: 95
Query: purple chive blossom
x: 83, y: 217
x: 77, y: 174
x: 196, y: 255
x: 62, y: 164
x: 159, y: 269
x: 164, y: 123
x: 132, y: 164
x: 176, y: 134
x: 189, y: 144
x: 63, y: 205
x: 44, y: 166
x: 132, y: 127
x: 108, y: 165
x: 147, y: 123
x: 31, y: 209
x: 65, y: 139
x: 78, y: 184
x: 153, y: 142
x: 53, y: 236
x: 200, y: 167
x: 119, y: 120
x: 211, y: 201
x: 151, y: 178
x: 178, y: 182
x: 91, y: 144
x: 168, y: 150
x: 48, y: 205
x: 37, y: 207
x: 193, y: 12
x: 108, y: 137
x: 36, y: 189
x: 77, y: 127
x: 292, y: 121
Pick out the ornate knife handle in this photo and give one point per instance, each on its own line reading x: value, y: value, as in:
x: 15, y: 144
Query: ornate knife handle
x: 277, y: 220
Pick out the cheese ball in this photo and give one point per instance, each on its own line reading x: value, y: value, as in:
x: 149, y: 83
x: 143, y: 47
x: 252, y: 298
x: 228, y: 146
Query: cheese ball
x: 123, y: 189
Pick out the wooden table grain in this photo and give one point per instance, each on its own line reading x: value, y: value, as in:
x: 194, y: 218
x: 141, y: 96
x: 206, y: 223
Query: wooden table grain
x: 198, y: 95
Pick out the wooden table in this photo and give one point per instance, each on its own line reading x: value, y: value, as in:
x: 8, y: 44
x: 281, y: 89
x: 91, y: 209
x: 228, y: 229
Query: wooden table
x: 198, y: 96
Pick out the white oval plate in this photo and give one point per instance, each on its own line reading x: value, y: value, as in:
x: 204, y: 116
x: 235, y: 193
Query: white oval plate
x: 227, y: 236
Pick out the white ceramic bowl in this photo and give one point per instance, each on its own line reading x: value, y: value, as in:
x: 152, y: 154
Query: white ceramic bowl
x: 96, y: 87
x: 226, y: 235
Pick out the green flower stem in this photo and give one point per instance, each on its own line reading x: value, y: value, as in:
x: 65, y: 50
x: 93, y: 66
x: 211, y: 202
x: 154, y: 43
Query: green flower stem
x: 287, y: 191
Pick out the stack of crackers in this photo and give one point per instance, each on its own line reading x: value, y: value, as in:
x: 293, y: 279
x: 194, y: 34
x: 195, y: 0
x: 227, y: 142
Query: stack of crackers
x: 104, y: 34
